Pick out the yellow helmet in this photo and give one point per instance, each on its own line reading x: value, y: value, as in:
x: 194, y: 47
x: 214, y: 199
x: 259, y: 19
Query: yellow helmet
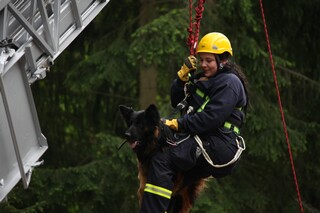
x: 216, y: 43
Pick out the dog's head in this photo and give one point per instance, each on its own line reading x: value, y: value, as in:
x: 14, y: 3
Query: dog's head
x: 142, y: 130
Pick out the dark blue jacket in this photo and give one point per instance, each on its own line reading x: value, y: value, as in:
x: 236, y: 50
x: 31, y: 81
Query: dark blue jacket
x: 226, y: 95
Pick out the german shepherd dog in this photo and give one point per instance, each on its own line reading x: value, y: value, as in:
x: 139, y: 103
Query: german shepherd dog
x: 146, y: 134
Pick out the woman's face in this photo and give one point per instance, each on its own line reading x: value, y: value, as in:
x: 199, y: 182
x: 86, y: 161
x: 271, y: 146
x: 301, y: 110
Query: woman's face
x: 208, y: 64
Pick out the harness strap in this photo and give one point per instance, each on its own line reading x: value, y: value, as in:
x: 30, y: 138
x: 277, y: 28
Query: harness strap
x: 183, y: 104
x: 241, y: 146
x: 205, y: 97
x: 232, y: 127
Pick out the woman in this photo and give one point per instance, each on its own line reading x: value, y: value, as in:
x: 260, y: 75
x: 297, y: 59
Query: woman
x: 216, y: 102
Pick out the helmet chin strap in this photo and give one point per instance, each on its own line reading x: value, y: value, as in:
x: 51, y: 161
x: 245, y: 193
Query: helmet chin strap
x: 220, y: 64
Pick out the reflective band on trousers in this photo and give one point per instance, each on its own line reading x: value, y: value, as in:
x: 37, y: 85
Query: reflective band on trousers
x: 163, y: 192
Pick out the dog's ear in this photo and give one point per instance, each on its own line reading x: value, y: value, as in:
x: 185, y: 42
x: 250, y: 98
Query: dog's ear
x: 152, y: 114
x: 126, y: 113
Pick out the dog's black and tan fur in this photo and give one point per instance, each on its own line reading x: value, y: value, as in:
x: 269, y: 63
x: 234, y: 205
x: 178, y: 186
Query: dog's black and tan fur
x: 146, y: 137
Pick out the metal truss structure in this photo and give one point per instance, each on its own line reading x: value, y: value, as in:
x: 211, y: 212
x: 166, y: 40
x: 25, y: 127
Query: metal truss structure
x: 33, y: 33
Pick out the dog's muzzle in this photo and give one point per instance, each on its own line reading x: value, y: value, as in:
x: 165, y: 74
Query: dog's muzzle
x: 129, y: 139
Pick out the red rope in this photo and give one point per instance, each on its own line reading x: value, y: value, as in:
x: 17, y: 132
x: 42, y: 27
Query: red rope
x: 190, y: 40
x: 281, y: 110
x: 194, y: 27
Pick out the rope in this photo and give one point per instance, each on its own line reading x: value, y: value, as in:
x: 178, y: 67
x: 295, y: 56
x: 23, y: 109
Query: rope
x: 281, y: 110
x: 194, y: 27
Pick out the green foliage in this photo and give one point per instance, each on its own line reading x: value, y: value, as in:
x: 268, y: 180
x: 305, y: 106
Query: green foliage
x: 264, y: 127
x: 94, y: 70
x: 161, y: 38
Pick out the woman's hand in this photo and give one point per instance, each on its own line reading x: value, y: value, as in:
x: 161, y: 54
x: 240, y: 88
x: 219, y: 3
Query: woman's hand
x: 190, y: 65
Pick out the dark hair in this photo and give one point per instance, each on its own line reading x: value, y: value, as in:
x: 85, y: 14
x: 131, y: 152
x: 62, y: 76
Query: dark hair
x: 224, y: 56
x: 236, y: 69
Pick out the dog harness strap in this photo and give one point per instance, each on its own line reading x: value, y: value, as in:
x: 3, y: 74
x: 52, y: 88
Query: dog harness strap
x: 163, y: 192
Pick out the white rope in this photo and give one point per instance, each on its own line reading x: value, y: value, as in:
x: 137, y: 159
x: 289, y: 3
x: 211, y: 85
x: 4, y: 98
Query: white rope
x: 235, y: 158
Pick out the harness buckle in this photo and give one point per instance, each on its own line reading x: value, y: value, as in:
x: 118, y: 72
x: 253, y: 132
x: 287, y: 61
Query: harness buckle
x: 232, y: 127
x: 240, y: 143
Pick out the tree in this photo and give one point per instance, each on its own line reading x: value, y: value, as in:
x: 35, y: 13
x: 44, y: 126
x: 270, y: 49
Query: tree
x: 148, y: 73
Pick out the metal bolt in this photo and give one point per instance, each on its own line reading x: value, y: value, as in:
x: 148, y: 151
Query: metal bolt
x: 1, y: 183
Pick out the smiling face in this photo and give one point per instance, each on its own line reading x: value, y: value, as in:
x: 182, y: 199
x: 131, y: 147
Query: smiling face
x: 208, y: 64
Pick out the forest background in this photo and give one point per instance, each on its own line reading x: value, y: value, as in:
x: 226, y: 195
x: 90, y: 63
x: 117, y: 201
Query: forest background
x: 129, y: 55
